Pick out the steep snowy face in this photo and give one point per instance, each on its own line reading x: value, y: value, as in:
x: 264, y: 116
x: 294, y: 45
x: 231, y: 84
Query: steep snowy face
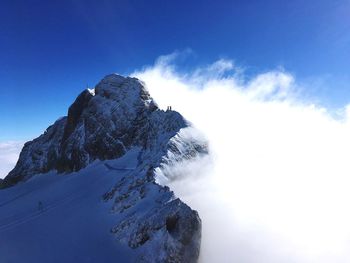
x: 120, y: 137
x: 101, y: 124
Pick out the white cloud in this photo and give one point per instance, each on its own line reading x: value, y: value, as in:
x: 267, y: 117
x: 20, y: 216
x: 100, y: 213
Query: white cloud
x: 9, y: 152
x: 279, y: 187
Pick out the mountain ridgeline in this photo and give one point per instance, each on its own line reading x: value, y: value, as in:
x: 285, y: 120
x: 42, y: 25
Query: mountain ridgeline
x: 118, y: 122
x: 101, y: 124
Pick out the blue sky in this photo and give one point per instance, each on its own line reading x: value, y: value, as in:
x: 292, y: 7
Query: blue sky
x: 50, y: 50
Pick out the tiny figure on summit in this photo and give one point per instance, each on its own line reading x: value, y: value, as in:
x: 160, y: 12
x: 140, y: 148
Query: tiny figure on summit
x: 168, y: 108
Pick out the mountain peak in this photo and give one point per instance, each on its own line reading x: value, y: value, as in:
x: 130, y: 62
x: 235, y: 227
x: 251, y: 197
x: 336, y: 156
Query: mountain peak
x: 119, y: 136
x: 103, y: 124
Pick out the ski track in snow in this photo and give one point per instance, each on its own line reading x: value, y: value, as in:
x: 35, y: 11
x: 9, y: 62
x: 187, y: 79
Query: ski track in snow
x: 72, y: 204
x: 19, y: 219
x: 110, y: 167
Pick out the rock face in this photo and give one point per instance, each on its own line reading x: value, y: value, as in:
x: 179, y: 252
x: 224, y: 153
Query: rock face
x: 101, y: 124
x: 156, y: 224
x: 115, y: 118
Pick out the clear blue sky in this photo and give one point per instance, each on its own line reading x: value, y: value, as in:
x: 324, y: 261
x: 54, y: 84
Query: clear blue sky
x: 50, y: 50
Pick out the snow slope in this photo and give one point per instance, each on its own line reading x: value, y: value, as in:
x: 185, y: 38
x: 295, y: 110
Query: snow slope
x: 73, y: 226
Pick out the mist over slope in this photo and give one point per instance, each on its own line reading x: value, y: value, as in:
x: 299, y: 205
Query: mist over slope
x: 9, y: 152
x: 276, y: 185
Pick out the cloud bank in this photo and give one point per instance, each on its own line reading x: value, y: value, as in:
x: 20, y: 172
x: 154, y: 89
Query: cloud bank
x: 9, y: 152
x: 278, y: 186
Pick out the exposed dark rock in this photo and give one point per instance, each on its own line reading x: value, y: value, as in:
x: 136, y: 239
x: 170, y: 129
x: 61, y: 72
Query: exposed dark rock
x: 75, y: 111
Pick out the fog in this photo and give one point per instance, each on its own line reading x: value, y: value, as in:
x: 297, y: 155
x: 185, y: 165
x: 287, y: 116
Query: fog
x: 275, y: 187
x: 9, y: 152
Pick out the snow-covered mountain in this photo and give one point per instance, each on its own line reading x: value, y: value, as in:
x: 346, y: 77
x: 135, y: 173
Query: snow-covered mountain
x: 85, y: 190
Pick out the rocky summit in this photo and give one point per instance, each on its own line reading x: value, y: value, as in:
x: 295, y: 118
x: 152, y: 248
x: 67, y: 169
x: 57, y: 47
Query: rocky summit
x: 99, y: 163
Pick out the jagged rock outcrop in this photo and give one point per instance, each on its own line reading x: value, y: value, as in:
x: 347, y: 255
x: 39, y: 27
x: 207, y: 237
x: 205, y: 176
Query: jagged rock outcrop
x: 116, y: 117
x: 101, y: 124
x: 160, y: 229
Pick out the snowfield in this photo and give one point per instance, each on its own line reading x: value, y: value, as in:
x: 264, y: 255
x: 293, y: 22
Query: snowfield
x: 74, y: 224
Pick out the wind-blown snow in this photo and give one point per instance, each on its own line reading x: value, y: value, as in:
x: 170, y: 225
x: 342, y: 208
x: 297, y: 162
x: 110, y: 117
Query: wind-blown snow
x: 278, y: 187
